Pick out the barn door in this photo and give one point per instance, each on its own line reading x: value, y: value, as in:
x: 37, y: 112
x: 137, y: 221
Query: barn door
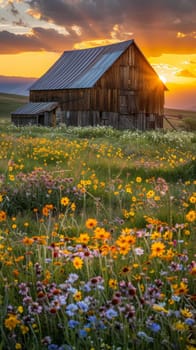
x: 127, y: 98
x: 128, y: 102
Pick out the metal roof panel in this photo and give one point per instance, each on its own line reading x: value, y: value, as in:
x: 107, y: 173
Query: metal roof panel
x: 33, y: 108
x: 80, y: 68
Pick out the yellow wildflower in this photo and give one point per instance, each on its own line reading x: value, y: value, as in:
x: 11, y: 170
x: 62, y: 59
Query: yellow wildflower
x: 191, y: 216
x: 77, y: 262
x: 11, y: 322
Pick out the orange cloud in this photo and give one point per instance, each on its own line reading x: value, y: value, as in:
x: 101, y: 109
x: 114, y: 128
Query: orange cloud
x: 185, y: 73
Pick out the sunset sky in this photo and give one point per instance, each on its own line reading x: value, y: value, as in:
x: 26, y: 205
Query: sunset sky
x: 34, y: 33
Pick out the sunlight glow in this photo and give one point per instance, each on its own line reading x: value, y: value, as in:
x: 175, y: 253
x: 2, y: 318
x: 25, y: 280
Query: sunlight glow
x: 163, y: 79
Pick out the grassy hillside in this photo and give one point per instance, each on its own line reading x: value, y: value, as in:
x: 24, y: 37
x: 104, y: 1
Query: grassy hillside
x: 8, y: 103
x: 177, y: 117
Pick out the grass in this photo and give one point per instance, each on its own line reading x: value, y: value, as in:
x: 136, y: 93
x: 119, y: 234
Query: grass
x: 97, y: 237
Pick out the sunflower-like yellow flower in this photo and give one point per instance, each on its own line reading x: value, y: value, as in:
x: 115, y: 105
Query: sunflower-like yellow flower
x: 157, y: 249
x: 191, y: 216
x: 77, y: 263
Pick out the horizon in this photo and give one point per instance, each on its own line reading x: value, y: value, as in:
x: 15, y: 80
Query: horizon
x: 165, y: 32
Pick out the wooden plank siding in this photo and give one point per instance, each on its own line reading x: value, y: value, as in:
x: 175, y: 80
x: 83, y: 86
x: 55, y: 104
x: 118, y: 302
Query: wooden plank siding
x: 128, y: 95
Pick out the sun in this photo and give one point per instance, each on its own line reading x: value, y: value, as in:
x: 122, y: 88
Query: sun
x: 163, y: 78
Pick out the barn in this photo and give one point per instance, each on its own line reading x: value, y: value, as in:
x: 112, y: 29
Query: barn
x: 109, y: 85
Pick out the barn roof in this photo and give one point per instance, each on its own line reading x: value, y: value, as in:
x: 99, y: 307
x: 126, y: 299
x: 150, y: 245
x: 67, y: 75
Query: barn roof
x: 80, y: 68
x: 33, y: 108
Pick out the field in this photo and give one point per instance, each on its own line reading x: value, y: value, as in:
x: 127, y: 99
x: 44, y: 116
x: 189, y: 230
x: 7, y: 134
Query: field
x: 179, y: 118
x: 97, y: 239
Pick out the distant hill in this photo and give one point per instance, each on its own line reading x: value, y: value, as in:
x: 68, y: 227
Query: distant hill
x: 15, y: 85
x: 10, y: 102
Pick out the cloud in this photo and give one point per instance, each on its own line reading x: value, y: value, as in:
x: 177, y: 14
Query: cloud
x: 38, y: 39
x: 148, y: 20
x: 185, y: 73
x: 14, y: 11
x: 153, y: 24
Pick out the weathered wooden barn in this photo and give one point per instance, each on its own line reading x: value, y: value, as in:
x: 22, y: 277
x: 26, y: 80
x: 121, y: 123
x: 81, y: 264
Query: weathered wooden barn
x: 109, y: 85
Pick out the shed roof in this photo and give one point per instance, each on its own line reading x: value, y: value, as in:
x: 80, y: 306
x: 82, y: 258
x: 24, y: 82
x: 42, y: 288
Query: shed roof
x: 33, y: 108
x: 80, y: 68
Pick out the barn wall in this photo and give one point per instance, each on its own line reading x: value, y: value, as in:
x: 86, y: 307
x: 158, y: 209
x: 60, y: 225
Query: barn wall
x: 45, y: 118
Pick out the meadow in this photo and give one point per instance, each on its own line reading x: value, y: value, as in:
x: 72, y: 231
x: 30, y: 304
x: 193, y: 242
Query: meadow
x: 97, y: 239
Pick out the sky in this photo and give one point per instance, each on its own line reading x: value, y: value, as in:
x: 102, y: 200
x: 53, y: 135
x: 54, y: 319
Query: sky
x: 34, y: 33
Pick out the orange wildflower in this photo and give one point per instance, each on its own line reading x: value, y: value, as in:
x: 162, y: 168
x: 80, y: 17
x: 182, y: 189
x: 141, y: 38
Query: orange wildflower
x: 91, y: 223
x: 2, y: 215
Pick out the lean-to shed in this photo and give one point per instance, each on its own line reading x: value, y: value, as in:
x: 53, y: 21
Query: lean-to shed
x: 35, y: 113
x: 108, y: 85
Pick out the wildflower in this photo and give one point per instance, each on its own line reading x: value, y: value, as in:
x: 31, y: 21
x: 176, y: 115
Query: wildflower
x: 20, y: 309
x: 23, y: 289
x: 125, y: 270
x: 150, y: 194
x: 11, y: 177
x: 73, y: 323
x: 11, y: 322
x: 1, y: 198
x: 47, y: 209
x: 190, y: 321
x: 154, y: 327
x: 28, y: 240
x: 187, y: 232
x: 83, y: 306
x: 72, y: 278
x: 18, y: 346
x: 186, y: 313
x: 159, y: 308
x: 155, y: 235
x: 24, y: 329
x: 71, y: 309
x: 138, y: 179
x: 113, y: 283
x: 139, y: 251
x: 83, y: 238
x: 182, y: 289
x: 157, y: 249
x: 192, y: 199
x: 82, y: 333
x: 65, y: 201
x: 46, y: 341
x: 2, y: 215
x: 111, y: 313
x: 180, y: 326
x: 73, y: 206
x: 77, y: 262
x: 191, y: 216
x: 77, y: 296
x: 91, y: 223
x: 144, y: 336
x: 101, y: 233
